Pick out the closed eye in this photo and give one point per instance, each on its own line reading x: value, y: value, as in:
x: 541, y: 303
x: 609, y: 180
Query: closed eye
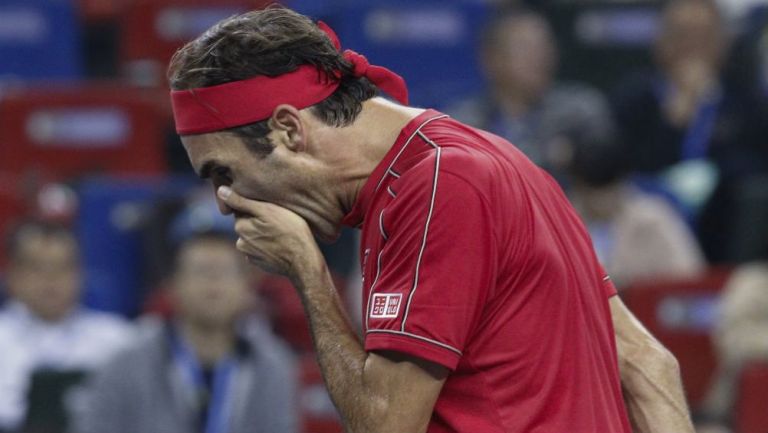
x: 221, y: 176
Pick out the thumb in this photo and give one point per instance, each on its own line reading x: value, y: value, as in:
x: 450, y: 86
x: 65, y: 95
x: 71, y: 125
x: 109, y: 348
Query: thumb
x: 236, y: 201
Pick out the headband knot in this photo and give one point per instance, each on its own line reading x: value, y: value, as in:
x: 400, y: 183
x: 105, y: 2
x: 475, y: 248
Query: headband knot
x: 359, y: 63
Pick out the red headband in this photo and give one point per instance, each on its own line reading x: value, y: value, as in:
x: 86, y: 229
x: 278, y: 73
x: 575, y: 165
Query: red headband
x: 210, y: 109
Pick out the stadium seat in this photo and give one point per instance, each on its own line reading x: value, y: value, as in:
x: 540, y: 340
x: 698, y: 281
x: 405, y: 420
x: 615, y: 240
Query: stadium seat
x: 113, y: 214
x: 13, y: 204
x: 431, y: 43
x: 69, y: 131
x: 317, y: 411
x: 152, y: 30
x: 39, y: 39
x: 287, y: 313
x: 681, y: 315
x: 102, y: 10
x: 751, y: 411
x: 600, y: 40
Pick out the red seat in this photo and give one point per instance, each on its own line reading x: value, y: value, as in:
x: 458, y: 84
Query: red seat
x: 154, y: 29
x: 102, y: 10
x: 287, y: 313
x: 680, y: 314
x: 751, y: 411
x: 69, y: 131
x: 13, y: 204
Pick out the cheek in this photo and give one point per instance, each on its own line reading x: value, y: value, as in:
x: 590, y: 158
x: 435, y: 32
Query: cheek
x: 32, y: 283
x: 70, y: 283
x: 236, y: 297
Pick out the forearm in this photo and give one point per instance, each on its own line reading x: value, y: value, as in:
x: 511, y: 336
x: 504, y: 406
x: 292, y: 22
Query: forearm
x: 650, y: 377
x: 340, y: 353
x: 654, y: 393
x: 364, y: 386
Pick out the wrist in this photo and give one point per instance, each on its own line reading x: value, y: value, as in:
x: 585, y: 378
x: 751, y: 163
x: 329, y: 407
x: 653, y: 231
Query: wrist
x: 308, y: 268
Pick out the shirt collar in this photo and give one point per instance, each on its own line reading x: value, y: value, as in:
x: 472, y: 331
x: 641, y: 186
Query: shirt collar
x: 356, y: 216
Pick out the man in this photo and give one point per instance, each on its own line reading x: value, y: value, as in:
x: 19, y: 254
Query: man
x: 683, y: 121
x: 208, y: 370
x: 485, y: 307
x: 525, y: 104
x: 43, y: 328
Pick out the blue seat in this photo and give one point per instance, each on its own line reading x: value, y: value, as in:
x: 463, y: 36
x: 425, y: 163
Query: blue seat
x: 110, y: 228
x: 39, y: 39
x: 432, y: 44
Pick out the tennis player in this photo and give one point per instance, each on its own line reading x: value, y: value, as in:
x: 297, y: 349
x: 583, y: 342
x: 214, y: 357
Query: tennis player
x: 485, y: 308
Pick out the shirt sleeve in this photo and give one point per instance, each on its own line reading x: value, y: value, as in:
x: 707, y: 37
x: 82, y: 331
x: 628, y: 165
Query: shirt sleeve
x: 437, y: 267
x: 608, y: 287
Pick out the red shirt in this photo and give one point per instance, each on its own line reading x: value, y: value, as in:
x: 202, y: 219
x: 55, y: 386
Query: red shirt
x: 473, y: 259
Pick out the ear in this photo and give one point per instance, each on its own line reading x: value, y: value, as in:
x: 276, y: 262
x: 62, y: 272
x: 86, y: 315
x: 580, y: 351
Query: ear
x: 287, y: 121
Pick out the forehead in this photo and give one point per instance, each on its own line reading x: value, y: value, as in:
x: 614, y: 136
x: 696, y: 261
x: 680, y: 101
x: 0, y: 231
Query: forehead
x: 208, y: 249
x: 691, y: 13
x: 522, y: 32
x: 38, y: 247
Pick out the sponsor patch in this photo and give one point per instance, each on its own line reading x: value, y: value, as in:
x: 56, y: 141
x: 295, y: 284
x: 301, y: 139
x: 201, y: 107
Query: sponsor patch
x: 385, y: 305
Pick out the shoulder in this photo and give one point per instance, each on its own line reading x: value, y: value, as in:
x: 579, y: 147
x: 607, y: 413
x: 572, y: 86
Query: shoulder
x: 648, y: 206
x: 6, y: 318
x: 7, y: 328
x: 462, y: 150
x: 100, y: 318
x: 146, y: 341
x: 454, y: 173
x: 104, y: 325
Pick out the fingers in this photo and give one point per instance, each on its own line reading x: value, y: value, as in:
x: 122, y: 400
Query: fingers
x: 242, y: 246
x: 238, y: 202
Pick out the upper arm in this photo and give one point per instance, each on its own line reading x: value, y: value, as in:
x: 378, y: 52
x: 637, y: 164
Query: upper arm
x: 435, y: 270
x: 634, y: 343
x: 631, y: 335
x: 405, y: 389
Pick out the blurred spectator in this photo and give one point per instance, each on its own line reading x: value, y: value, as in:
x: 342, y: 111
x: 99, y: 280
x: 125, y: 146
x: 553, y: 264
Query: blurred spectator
x: 737, y: 10
x: 44, y: 334
x: 524, y: 103
x: 211, y: 368
x: 682, y: 123
x: 740, y: 336
x: 637, y: 236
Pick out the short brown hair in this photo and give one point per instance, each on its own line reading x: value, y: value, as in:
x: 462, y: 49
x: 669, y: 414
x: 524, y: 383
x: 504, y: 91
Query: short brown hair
x: 269, y: 42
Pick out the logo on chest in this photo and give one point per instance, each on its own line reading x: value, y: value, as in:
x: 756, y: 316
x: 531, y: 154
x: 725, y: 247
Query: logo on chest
x: 385, y: 305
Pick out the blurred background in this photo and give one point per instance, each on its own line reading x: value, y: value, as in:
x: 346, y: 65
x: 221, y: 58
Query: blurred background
x: 652, y: 115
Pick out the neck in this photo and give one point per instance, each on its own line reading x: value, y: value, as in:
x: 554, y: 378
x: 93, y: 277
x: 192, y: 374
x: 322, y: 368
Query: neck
x: 49, y: 317
x: 371, y: 136
x: 209, y: 343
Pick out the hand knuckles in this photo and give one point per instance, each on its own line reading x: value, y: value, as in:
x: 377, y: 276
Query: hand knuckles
x: 240, y: 225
